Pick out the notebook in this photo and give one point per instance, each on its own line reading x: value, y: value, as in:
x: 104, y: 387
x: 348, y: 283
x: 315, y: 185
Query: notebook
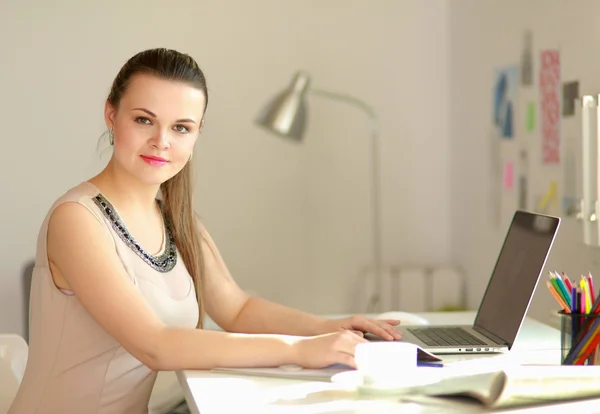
x: 517, y: 386
x: 507, y: 297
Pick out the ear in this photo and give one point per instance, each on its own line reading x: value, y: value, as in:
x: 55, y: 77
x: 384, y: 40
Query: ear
x: 109, y: 115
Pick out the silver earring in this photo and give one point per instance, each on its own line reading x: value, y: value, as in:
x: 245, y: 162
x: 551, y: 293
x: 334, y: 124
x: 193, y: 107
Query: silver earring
x: 191, y: 154
x: 111, y: 136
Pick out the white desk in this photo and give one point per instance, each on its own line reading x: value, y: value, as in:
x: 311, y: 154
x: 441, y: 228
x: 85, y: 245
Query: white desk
x: 211, y: 393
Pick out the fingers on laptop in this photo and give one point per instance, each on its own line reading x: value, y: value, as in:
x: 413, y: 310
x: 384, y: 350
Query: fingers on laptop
x: 383, y: 329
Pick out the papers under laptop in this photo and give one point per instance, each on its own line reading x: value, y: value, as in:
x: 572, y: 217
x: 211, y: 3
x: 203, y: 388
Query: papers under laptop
x: 507, y: 296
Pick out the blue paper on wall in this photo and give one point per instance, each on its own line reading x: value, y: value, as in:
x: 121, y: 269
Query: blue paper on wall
x: 505, y: 92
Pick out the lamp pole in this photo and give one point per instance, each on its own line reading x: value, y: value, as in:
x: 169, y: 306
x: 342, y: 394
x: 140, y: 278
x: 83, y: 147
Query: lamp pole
x: 374, y: 301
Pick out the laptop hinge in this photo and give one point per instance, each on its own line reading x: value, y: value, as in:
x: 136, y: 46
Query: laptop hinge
x: 490, y: 335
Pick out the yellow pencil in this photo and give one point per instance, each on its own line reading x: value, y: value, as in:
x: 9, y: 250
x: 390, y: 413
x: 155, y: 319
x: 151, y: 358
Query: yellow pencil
x: 586, y: 294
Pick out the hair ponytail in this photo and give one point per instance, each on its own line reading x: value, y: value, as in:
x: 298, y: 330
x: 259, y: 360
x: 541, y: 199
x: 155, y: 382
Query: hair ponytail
x: 177, y: 201
x: 177, y: 191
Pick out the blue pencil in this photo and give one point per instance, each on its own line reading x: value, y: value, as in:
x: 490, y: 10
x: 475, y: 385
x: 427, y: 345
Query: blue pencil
x: 574, y: 311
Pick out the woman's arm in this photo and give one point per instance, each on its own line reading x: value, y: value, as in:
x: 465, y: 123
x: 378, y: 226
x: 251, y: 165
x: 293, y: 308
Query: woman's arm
x: 83, y: 253
x: 232, y: 309
x: 262, y: 316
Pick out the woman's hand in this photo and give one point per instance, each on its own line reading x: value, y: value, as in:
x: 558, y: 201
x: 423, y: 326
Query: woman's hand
x: 383, y: 328
x: 328, y: 349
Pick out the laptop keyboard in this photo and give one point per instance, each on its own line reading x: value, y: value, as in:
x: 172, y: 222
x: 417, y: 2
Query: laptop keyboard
x: 440, y: 336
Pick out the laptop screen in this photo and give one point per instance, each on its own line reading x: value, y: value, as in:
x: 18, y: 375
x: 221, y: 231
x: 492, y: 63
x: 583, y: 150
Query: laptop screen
x: 516, y: 274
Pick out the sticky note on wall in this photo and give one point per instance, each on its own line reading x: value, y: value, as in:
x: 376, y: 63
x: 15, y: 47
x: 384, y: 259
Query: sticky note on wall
x: 530, y: 118
x: 508, y: 175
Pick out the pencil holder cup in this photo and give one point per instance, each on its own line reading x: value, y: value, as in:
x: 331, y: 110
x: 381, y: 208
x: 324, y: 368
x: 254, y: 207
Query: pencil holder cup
x: 579, y: 338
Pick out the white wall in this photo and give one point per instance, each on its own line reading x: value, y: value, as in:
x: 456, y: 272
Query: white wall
x: 291, y: 221
x: 484, y: 36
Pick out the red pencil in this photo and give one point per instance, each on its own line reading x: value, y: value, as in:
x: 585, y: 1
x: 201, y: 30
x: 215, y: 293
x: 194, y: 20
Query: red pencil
x: 567, y: 281
x: 592, y: 345
x: 591, y: 285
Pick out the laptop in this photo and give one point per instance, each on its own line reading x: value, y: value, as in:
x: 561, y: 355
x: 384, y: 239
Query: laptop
x: 507, y: 296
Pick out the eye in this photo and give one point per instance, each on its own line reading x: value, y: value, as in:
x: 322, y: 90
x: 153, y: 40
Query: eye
x: 142, y: 120
x: 182, y: 129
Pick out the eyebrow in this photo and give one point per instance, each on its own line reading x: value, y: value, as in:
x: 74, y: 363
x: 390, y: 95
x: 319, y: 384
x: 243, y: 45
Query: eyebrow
x: 153, y: 115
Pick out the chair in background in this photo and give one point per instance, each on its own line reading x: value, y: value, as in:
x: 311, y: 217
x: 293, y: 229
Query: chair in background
x: 434, y: 278
x: 13, y: 359
x: 26, y: 286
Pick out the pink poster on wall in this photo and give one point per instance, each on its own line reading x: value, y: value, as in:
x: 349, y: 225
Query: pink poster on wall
x: 509, y: 175
x: 550, y: 106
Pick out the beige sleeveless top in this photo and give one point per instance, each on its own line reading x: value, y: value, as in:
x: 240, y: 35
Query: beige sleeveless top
x: 74, y: 366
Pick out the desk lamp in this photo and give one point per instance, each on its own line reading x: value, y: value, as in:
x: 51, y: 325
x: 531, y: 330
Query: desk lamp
x: 285, y: 116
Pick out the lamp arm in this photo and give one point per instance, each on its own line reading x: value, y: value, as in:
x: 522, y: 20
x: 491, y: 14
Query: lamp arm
x: 375, y: 299
x: 350, y: 100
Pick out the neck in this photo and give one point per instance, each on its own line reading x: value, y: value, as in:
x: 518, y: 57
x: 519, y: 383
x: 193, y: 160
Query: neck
x: 124, y: 191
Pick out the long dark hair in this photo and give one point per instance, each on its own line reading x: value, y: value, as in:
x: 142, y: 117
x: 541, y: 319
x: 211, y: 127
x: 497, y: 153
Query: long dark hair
x: 176, y: 192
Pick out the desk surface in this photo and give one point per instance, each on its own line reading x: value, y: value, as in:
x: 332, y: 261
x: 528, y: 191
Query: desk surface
x: 211, y: 393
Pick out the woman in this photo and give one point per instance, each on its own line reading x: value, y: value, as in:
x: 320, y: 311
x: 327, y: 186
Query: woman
x: 125, y: 272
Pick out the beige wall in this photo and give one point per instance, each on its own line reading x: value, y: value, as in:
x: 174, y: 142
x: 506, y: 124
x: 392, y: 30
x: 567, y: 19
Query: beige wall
x: 484, y: 36
x: 291, y: 221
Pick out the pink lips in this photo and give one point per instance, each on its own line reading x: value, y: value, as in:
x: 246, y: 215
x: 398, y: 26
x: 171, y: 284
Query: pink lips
x: 154, y: 161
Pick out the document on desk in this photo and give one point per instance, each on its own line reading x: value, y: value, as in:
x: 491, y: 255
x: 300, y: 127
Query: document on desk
x: 297, y: 372
x: 424, y: 359
x: 289, y: 371
x: 520, y: 386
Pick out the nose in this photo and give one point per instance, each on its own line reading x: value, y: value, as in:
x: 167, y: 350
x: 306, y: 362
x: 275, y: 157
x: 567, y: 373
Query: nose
x: 160, y: 140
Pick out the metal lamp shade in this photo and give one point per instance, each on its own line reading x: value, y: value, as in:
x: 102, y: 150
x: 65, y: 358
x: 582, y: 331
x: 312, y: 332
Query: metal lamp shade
x: 285, y: 115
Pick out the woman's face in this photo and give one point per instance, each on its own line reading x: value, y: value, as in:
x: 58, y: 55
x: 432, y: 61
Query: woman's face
x: 155, y: 127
